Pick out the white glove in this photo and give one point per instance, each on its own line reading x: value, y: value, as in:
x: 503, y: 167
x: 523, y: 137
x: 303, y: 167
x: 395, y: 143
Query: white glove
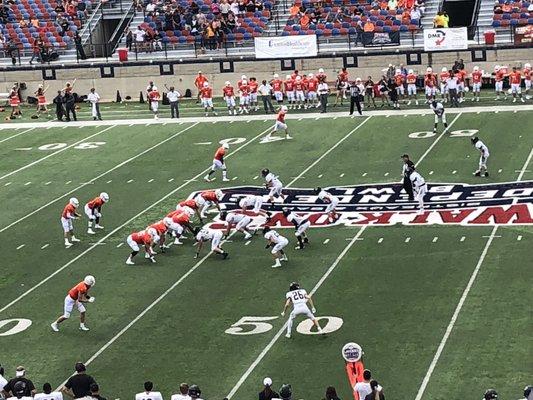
x: 313, y: 310
x: 91, y: 299
x: 283, y: 313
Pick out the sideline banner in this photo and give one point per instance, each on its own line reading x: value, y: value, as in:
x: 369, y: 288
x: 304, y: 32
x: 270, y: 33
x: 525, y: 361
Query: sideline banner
x: 445, y: 39
x: 523, y: 34
x: 286, y: 46
x: 371, y: 39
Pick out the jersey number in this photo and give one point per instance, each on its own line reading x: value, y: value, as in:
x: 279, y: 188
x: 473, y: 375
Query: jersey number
x: 13, y: 326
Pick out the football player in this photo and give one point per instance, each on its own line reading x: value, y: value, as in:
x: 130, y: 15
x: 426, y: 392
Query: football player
x: 280, y: 124
x: 244, y: 95
x: 76, y: 297
x: 161, y: 228
x: 484, y: 155
x: 528, y: 76
x: 288, y: 84
x: 420, y: 188
x: 515, y: 78
x: 430, y: 84
x: 145, y: 238
x: 191, y: 206
x: 312, y: 86
x: 476, y: 83
x: 253, y: 94
x: 499, y: 76
x: 194, y: 392
x: 254, y: 203
x: 490, y: 394
x: 177, y: 221
x: 67, y: 216
x: 215, y: 236
x: 277, y: 243
x: 277, y: 88
x: 229, y: 96
x: 444, y: 75
x: 218, y: 163
x: 299, y: 298
x: 438, y: 109
x: 239, y: 221
x: 154, y: 97
x: 299, y: 90
x: 208, y: 199
x: 301, y: 224
x: 272, y: 183
x: 332, y: 202
x: 206, y: 94
x: 93, y: 210
x: 411, y: 87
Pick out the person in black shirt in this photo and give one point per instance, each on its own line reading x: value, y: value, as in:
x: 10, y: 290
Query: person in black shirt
x: 20, y: 376
x: 267, y: 393
x: 408, y: 165
x: 70, y: 106
x: 58, y: 101
x: 355, y: 96
x: 78, y: 385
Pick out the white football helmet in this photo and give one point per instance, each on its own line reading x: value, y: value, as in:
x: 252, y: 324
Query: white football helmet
x: 398, y: 71
x: 227, y: 83
x: 242, y: 203
x: 287, y: 77
x: 298, y: 78
x: 321, y: 70
x: 527, y: 65
x: 496, y: 68
x: 276, y: 76
x: 199, y: 72
x: 429, y: 70
x: 244, y: 82
x: 444, y: 69
x: 167, y: 221
x: 358, y: 80
x: 411, y: 71
x: 225, y: 145
x: 89, y: 280
x: 104, y: 196
x: 284, y: 109
x: 152, y: 232
x: 74, y: 201
x: 243, y: 77
x: 154, y: 89
x: 476, y: 68
x: 206, y: 84
x: 189, y: 211
x: 219, y: 194
x: 40, y: 86
x: 311, y: 75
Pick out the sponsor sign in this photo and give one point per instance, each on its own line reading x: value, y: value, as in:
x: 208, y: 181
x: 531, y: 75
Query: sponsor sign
x: 286, y: 46
x: 352, y: 352
x: 374, y: 39
x: 387, y: 204
x: 445, y: 39
x: 523, y: 34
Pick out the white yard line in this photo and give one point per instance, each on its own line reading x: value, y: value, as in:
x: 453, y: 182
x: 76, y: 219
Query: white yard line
x: 15, y: 135
x: 28, y: 215
x: 462, y: 300
x: 438, y: 138
x: 280, y: 332
x: 117, y: 229
x: 55, y: 152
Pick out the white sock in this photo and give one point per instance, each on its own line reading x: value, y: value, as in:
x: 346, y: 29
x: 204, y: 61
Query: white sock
x: 289, y: 326
x: 224, y: 174
x: 66, y: 241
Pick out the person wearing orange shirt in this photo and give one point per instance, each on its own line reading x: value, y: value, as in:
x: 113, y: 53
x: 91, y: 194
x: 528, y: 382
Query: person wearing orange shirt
x: 499, y: 75
x: 76, y: 296
x: 67, y: 216
x: 461, y: 77
x: 253, y: 93
x: 280, y: 125
x: 515, y: 78
x: 476, y: 83
x: 161, y: 228
x: 154, y: 96
x: 299, y: 92
x: 208, y: 199
x: 411, y: 86
x: 288, y: 84
x: 528, y: 76
x: 93, y: 210
x: 199, y: 83
x: 444, y: 92
x: 177, y: 221
x: 229, y: 96
x: 140, y: 239
x: 219, y: 164
x: 244, y: 95
x: 191, y: 206
x: 430, y: 83
x: 312, y: 86
x: 277, y: 88
x: 399, y: 80
x: 206, y: 93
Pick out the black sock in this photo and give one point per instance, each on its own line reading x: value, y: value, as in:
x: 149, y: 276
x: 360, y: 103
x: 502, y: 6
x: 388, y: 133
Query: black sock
x: 97, y: 220
x: 211, y: 173
x: 133, y: 254
x: 300, y: 241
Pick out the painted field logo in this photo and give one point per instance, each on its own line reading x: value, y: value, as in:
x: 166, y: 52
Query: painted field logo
x: 387, y: 204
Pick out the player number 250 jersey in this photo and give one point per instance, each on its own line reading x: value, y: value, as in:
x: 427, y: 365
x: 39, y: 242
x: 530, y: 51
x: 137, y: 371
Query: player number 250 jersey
x: 297, y: 296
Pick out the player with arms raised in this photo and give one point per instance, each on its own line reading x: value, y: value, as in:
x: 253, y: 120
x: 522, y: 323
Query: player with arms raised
x: 67, y: 216
x: 93, y: 210
x: 76, y: 297
x: 299, y: 298
x: 218, y: 163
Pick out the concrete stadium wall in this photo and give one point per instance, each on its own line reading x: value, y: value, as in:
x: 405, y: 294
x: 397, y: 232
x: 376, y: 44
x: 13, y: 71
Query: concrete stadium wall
x: 130, y: 80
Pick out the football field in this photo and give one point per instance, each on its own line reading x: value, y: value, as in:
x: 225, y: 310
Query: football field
x: 442, y: 310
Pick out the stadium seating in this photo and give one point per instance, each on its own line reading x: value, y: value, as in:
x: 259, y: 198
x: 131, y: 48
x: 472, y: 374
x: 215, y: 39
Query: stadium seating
x: 514, y: 13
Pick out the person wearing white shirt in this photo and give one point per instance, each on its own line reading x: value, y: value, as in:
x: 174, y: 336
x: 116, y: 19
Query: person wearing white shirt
x: 148, y: 394
x: 94, y: 99
x: 265, y: 90
x: 438, y: 109
x: 484, y: 155
x: 323, y: 91
x: 183, y: 394
x: 3, y: 381
x: 363, y: 388
x: 277, y: 243
x: 48, y: 394
x: 452, y: 83
x: 420, y: 188
x: 173, y: 97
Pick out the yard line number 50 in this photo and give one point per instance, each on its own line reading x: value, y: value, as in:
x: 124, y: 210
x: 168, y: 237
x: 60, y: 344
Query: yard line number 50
x: 13, y: 326
x: 258, y: 325
x: 458, y: 133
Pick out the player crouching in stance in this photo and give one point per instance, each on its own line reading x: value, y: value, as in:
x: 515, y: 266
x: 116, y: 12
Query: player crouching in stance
x: 208, y: 199
x: 420, y: 188
x: 332, y: 202
x: 484, y: 155
x: 67, y: 216
x: 93, y: 210
x: 280, y: 124
x: 145, y: 238
x: 253, y: 204
x: 438, y: 109
x: 177, y: 221
x: 299, y: 299
x: 76, y: 297
x: 277, y: 242
x: 301, y: 224
x: 239, y: 221
x: 213, y: 235
x: 218, y: 163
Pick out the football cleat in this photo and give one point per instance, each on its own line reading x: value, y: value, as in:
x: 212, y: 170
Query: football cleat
x: 83, y: 328
x: 54, y: 326
x: 90, y: 231
x: 206, y: 178
x: 225, y: 255
x: 288, y: 335
x: 129, y: 262
x: 68, y: 244
x: 225, y: 179
x: 247, y: 235
x: 75, y: 239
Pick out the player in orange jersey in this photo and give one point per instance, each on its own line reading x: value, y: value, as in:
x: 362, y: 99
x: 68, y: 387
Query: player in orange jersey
x: 430, y: 84
x: 288, y: 84
x: 312, y: 86
x: 76, y: 297
x: 280, y: 125
x: 219, y: 163
x: 528, y: 77
x: 93, y: 210
x: 229, y: 96
x: 244, y: 95
x: 476, y: 83
x: 199, y: 83
x: 515, y: 78
x: 444, y: 92
x: 277, y: 88
x: 161, y: 228
x: 67, y: 216
x: 154, y: 96
x: 206, y: 93
x: 253, y: 85
x: 41, y: 99
x: 399, y: 80
x: 299, y: 93
x: 177, y: 221
x: 499, y: 76
x: 191, y: 206
x: 208, y: 199
x: 140, y: 239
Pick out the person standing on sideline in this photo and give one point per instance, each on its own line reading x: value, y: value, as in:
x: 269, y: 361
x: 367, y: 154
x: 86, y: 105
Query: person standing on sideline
x: 267, y: 393
x: 58, y: 101
x: 356, y: 92
x: 452, y: 84
x: 148, y: 394
x: 265, y: 90
x: 47, y: 394
x: 376, y: 391
x: 28, y: 389
x: 70, y: 106
x: 173, y: 97
x: 79, y: 384
x: 94, y: 99
x: 323, y: 91
x: 407, y: 166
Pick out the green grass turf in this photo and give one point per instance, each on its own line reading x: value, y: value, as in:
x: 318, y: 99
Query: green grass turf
x: 396, y: 298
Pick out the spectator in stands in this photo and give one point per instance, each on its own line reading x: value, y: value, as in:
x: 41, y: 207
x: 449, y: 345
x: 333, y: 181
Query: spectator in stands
x: 80, y: 52
x: 392, y: 5
x: 37, y: 48
x: 34, y: 22
x: 62, y: 22
x: 446, y: 19
x: 267, y: 393
x: 129, y: 38
x: 20, y: 376
x: 331, y: 393
x: 150, y: 9
x: 294, y: 10
x: 231, y: 23
x: 376, y: 391
x: 369, y: 26
x: 225, y: 8
x: 47, y: 394
x: 12, y: 50
x: 59, y: 9
x: 439, y: 20
x: 79, y: 384
x: 139, y: 38
x: 148, y: 394
x: 81, y: 10
x: 416, y: 14
x: 234, y: 7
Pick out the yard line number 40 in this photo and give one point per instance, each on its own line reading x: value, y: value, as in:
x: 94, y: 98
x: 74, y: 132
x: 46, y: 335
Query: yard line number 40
x: 258, y: 325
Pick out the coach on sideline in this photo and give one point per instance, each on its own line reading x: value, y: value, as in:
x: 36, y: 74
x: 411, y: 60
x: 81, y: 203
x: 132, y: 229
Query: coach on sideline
x: 173, y: 97
x: 265, y: 90
x: 323, y: 92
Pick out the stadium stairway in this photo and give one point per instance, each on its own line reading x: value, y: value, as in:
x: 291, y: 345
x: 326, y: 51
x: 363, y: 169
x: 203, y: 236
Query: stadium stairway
x: 484, y: 23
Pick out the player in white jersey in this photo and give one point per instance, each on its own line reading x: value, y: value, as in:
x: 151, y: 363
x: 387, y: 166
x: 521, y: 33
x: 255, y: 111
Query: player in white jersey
x: 253, y: 203
x: 277, y: 242
x: 273, y: 183
x: 332, y: 202
x: 440, y: 114
x: 215, y: 236
x: 47, y: 394
x: 420, y: 188
x: 239, y: 221
x: 148, y: 394
x: 484, y: 155
x: 301, y: 224
x: 299, y: 299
